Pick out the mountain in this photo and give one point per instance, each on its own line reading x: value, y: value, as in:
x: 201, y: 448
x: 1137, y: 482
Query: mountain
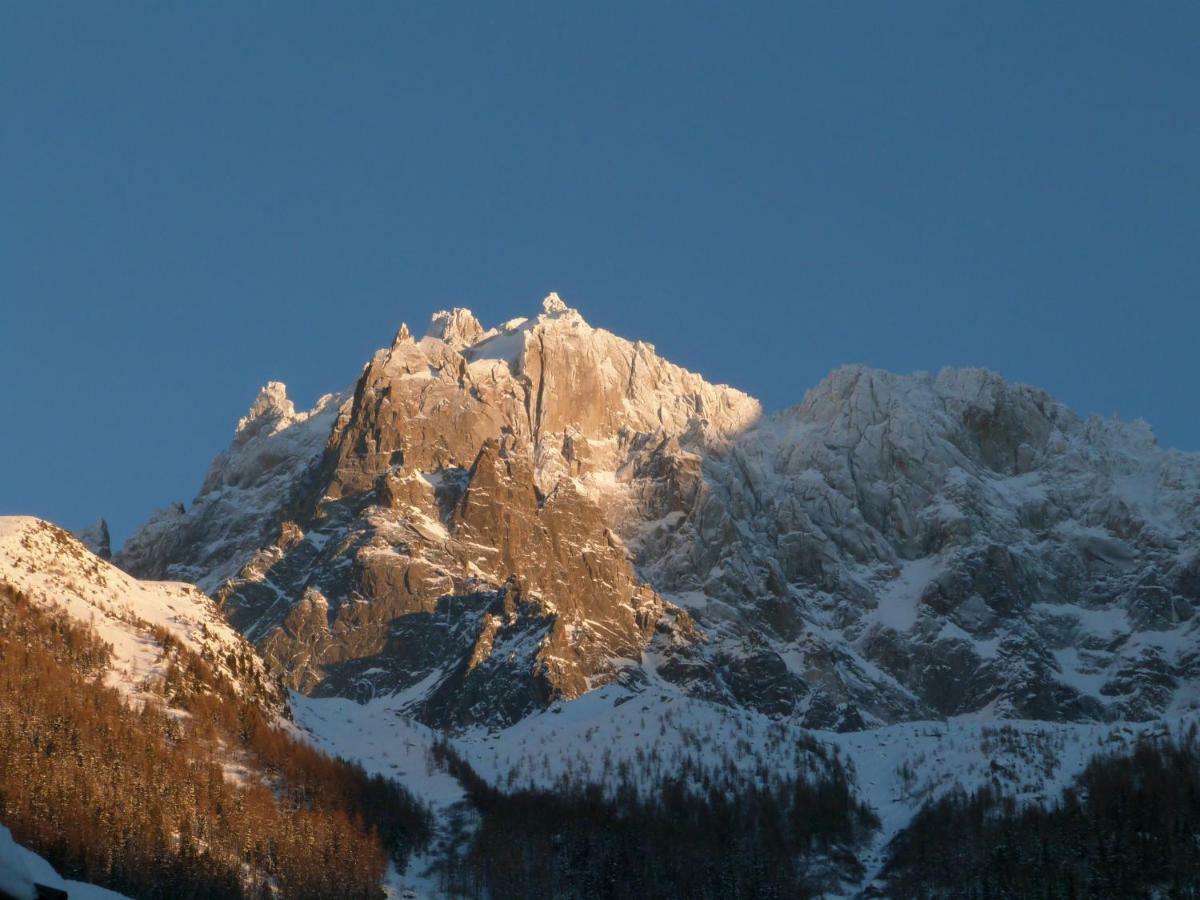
x: 499, y: 518
x: 588, y: 624
x: 451, y: 531
x: 972, y: 540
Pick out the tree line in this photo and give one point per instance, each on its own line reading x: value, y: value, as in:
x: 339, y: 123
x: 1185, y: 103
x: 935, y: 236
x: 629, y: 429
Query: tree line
x: 1129, y: 827
x: 785, y: 837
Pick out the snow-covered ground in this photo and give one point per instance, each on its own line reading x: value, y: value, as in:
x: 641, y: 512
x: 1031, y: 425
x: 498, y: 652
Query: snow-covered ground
x: 382, y: 740
x: 613, y: 735
x: 21, y: 869
x: 902, y: 767
x: 387, y: 743
x: 54, y: 569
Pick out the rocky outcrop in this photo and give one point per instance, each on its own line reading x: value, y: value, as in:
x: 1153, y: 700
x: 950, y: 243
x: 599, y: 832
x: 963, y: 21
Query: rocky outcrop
x: 456, y: 327
x: 245, y: 492
x: 975, y: 540
x: 95, y: 538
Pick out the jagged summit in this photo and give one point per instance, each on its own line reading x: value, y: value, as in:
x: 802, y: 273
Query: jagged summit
x: 580, y: 377
x: 458, y: 327
x: 269, y: 408
x: 553, y: 304
x: 461, y: 329
x: 243, y: 491
x: 96, y: 538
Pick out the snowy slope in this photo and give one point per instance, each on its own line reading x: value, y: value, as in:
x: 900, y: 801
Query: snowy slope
x: 641, y: 735
x: 382, y: 739
x: 902, y: 767
x: 21, y: 869
x: 53, y: 568
x: 385, y: 742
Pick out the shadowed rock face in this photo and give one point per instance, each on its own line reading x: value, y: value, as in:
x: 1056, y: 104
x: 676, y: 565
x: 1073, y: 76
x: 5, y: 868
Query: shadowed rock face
x: 95, y: 538
x: 242, y: 499
x: 973, y: 539
x: 494, y: 519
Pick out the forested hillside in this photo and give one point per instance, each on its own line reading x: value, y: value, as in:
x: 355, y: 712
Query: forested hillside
x: 696, y: 836
x: 198, y: 795
x: 1128, y: 828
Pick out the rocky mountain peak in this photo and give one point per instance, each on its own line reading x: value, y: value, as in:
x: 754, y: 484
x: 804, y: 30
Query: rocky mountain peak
x: 457, y: 327
x: 468, y: 464
x: 95, y: 537
x: 272, y: 399
x: 403, y: 336
x: 270, y: 409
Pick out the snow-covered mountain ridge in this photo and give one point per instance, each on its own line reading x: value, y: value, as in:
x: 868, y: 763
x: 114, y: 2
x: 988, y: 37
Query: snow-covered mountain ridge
x: 138, y: 619
x: 500, y: 518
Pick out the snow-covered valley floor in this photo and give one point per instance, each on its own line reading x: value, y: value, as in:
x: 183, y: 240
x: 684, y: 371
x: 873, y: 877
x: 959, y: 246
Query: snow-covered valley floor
x: 613, y: 736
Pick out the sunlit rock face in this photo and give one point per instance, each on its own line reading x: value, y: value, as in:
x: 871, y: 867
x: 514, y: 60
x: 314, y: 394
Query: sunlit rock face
x: 450, y: 534
x: 496, y: 518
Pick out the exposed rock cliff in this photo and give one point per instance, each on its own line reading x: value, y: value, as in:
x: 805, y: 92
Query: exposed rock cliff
x: 95, y: 537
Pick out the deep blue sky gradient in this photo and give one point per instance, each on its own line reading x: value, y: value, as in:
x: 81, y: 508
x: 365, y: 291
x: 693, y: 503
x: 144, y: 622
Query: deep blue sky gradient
x: 201, y: 197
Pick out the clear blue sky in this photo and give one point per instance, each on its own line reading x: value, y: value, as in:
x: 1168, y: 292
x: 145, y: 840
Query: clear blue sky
x: 201, y: 197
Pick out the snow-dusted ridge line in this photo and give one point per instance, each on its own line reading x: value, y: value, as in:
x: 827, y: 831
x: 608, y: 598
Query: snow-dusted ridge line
x: 246, y: 485
x: 54, y: 569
